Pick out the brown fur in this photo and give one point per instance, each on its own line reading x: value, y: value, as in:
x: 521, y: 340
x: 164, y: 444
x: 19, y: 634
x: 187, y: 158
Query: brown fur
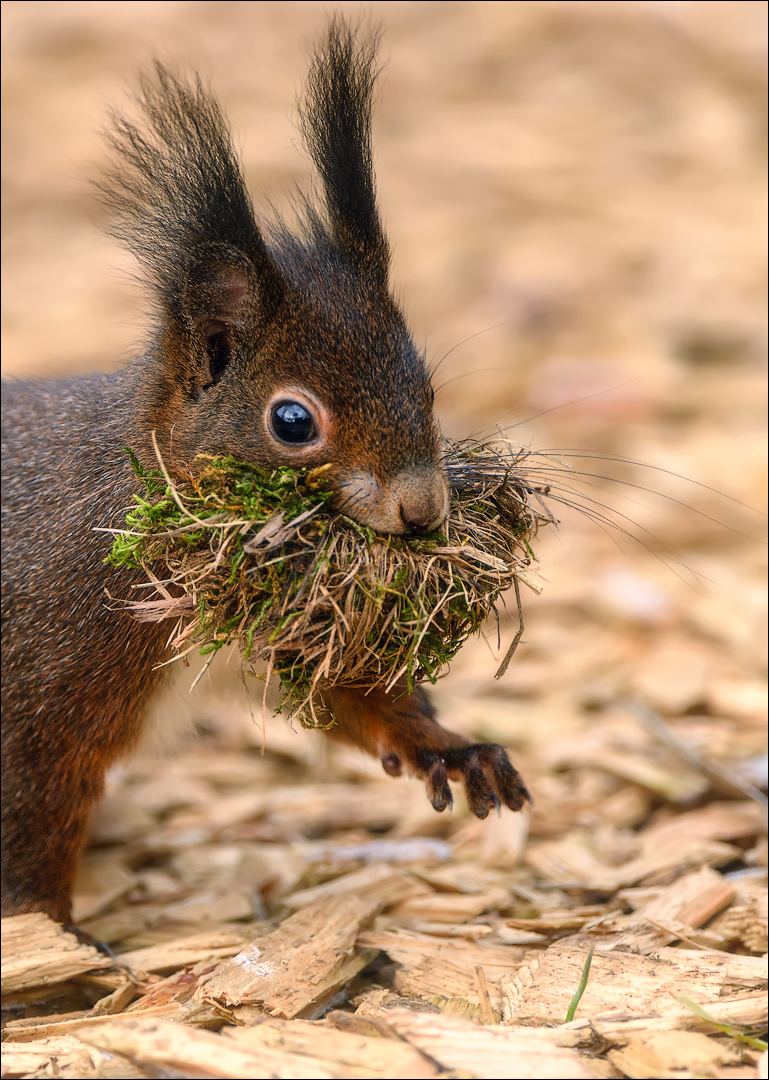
x: 402, y: 731
x: 242, y: 312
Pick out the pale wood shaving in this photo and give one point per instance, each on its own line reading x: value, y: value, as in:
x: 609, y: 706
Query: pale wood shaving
x: 369, y: 1057
x: 665, y: 1055
x: 37, y: 952
x: 33, y: 1029
x: 166, y: 1045
x: 491, y: 1052
x: 182, y: 951
x: 62, y: 1056
x: 386, y: 885
x: 621, y: 983
x: 300, y: 965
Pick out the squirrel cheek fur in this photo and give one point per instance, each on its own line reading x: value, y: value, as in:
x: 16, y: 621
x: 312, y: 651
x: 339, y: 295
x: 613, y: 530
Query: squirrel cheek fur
x: 243, y: 314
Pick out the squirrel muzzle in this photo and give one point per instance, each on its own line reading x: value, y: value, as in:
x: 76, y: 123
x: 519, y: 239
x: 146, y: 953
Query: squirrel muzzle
x: 414, y: 500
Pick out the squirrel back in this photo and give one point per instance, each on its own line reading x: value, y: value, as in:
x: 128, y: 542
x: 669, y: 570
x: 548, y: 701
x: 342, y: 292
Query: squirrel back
x: 277, y: 348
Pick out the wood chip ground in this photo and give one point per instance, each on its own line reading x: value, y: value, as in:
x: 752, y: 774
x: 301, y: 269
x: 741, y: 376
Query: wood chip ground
x: 280, y: 937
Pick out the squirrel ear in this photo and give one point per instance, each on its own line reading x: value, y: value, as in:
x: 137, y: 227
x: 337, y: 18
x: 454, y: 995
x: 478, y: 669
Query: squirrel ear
x: 335, y: 123
x: 219, y: 286
x: 226, y: 291
x: 223, y: 283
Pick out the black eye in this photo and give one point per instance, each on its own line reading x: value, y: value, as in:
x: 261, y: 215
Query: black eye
x: 292, y: 423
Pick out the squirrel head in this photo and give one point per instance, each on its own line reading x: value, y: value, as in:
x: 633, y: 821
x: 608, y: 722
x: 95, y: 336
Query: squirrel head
x: 279, y: 348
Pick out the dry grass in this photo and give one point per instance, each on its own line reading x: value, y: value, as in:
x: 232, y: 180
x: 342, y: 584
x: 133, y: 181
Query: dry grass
x: 238, y: 555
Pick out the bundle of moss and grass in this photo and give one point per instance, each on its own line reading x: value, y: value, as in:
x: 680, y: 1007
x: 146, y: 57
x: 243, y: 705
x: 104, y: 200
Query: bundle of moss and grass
x: 239, y: 555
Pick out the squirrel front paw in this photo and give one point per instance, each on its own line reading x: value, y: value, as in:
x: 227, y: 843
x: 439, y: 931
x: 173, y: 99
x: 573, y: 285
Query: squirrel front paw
x: 402, y: 731
x: 485, y: 770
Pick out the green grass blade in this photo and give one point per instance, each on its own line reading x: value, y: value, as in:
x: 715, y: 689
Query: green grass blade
x: 581, y: 988
x: 726, y: 1029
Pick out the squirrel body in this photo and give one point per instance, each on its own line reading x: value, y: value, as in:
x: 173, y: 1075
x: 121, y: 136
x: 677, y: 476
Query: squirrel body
x: 276, y: 348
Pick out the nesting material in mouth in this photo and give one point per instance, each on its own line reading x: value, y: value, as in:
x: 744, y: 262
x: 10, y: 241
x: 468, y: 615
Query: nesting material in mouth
x: 239, y: 555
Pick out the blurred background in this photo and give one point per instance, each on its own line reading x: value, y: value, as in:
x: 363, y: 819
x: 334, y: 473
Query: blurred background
x: 575, y: 196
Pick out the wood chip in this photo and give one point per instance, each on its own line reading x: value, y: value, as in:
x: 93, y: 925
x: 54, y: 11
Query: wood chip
x: 208, y: 907
x: 303, y: 963
x: 550, y: 922
x: 667, y: 1055
x: 468, y: 931
x: 321, y: 808
x: 183, y: 951
x: 169, y: 1046
x: 621, y: 983
x: 442, y: 970
x: 44, y: 1026
x: 450, y: 907
x: 382, y: 883
x: 482, y: 989
x: 490, y: 1052
x: 746, y: 924
x: 177, y: 987
x: 207, y: 820
x: 447, y: 982
x: 748, y: 1012
x: 716, y: 821
x: 55, y: 1057
x: 119, y: 819
x: 409, y: 950
x: 106, y: 982
x: 101, y: 882
x: 573, y: 861
x: 676, y: 784
x: 672, y: 914
x: 369, y: 1057
x: 36, y: 951
x: 693, y: 899
x: 357, y: 1024
x: 125, y: 922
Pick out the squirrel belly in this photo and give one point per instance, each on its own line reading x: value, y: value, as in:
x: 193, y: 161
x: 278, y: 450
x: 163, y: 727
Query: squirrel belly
x: 279, y: 349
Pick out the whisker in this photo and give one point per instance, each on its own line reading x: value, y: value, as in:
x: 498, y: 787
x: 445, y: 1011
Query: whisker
x: 605, y: 523
x: 568, y: 404
x: 464, y: 341
x: 669, y: 498
x: 527, y: 468
x: 466, y: 374
x: 577, y: 453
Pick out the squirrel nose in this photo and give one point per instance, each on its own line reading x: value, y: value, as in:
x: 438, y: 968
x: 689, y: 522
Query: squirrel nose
x: 415, y: 500
x: 422, y: 500
x: 417, y: 514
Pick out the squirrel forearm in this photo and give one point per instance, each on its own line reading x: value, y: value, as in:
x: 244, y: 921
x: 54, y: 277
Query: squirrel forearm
x: 401, y: 730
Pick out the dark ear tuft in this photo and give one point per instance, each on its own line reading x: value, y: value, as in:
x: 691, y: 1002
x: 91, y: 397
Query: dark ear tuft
x: 176, y: 190
x: 335, y: 122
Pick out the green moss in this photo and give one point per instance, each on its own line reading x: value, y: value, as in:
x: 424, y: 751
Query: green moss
x: 268, y: 565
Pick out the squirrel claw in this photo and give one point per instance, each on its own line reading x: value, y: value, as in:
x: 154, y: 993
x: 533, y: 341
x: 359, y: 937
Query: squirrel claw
x: 84, y: 938
x: 438, y: 790
x: 488, y: 776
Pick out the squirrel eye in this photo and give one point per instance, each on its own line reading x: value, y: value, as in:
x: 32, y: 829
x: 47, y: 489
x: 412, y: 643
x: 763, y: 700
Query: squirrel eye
x: 292, y: 423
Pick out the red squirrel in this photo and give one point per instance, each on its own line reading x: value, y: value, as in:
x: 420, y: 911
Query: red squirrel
x: 277, y: 348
